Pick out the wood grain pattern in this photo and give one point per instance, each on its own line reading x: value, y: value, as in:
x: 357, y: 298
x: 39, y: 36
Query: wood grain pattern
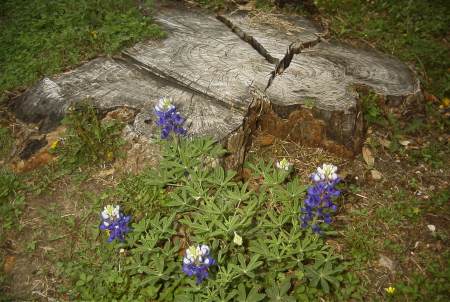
x: 216, y: 69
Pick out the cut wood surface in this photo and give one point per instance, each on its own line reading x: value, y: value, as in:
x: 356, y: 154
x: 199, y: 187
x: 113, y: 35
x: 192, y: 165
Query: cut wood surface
x: 216, y: 69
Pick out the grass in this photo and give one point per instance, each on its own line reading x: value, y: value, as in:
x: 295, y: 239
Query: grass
x: 45, y: 37
x: 6, y: 142
x: 88, y: 139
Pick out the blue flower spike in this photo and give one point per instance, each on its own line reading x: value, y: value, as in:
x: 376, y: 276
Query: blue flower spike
x: 197, y: 261
x: 169, y: 119
x: 114, y: 223
x: 320, y: 196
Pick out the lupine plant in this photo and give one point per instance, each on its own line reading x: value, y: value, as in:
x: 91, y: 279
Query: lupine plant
x: 240, y: 241
x: 169, y: 119
x: 114, y: 222
x: 318, y: 204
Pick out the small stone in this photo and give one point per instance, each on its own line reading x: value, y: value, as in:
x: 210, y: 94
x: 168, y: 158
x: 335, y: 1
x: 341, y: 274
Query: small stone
x: 376, y: 175
x: 432, y: 228
x: 386, y: 262
x: 368, y: 157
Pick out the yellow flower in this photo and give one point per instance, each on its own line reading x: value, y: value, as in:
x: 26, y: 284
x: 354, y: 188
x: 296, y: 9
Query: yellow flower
x: 445, y: 102
x: 390, y: 290
x: 94, y: 34
x: 109, y: 156
x: 54, y: 145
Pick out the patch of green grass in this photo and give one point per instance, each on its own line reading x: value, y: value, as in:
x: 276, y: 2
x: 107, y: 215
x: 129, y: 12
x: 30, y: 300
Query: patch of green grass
x: 434, y: 154
x: 45, y: 37
x: 88, y: 139
x: 433, y: 285
x: 6, y: 142
x: 11, y: 200
x: 414, y: 31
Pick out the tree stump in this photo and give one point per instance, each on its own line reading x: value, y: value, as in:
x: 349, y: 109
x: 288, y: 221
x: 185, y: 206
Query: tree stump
x: 217, y: 69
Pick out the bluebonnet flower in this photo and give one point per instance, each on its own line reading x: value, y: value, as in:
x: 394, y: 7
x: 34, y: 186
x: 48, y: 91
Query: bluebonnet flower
x: 114, y: 223
x: 197, y: 261
x: 318, y: 204
x: 169, y: 119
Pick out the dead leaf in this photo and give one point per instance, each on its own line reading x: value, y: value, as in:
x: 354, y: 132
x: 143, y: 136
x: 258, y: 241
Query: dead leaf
x: 368, y: 157
x: 265, y: 139
x: 376, y: 175
x: 105, y: 173
x: 405, y: 142
x: 9, y: 263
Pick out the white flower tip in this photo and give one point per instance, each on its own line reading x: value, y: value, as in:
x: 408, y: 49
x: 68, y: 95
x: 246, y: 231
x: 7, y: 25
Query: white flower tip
x: 432, y: 228
x: 284, y: 164
x: 204, y: 250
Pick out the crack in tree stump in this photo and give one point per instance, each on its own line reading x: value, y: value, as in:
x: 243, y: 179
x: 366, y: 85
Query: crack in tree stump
x: 216, y: 70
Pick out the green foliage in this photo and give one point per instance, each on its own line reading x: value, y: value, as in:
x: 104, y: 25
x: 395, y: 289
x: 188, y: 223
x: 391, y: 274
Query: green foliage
x: 89, y: 139
x: 6, y: 142
x: 45, y: 37
x: 190, y: 199
x: 371, y: 110
x: 414, y: 31
x: 11, y: 201
x: 434, y: 286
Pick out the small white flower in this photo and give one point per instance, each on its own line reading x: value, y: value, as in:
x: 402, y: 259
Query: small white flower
x: 164, y: 104
x: 284, y: 164
x: 432, y: 228
x: 186, y: 261
x: 326, y: 172
x: 237, y: 239
x: 207, y: 261
x: 121, y: 251
x: 111, y: 212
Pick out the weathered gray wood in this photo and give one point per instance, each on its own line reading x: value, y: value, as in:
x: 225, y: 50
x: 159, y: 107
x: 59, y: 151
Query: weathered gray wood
x: 216, y: 68
x: 114, y: 83
x: 325, y: 76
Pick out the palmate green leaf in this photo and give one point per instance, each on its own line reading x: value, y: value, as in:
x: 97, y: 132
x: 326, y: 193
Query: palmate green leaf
x: 179, y: 199
x: 247, y: 269
x: 200, y: 227
x: 325, y: 274
x: 221, y: 178
x: 239, y: 194
x: 220, y: 295
x: 253, y: 295
x: 226, y: 274
x: 273, y: 220
x: 279, y: 292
